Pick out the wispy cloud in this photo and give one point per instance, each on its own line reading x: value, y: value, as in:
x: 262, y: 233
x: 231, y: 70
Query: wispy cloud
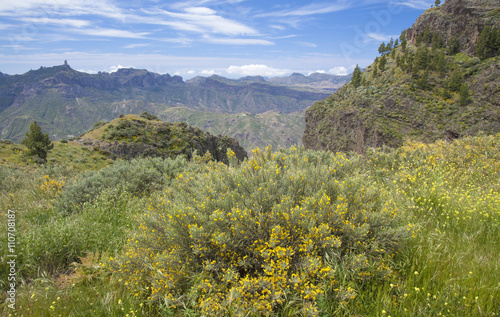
x: 307, y: 44
x: 417, y: 4
x: 61, y: 8
x: 381, y: 37
x: 200, y: 20
x: 237, y: 41
x: 111, y: 33
x: 136, y: 45
x: 310, y: 9
x: 59, y: 22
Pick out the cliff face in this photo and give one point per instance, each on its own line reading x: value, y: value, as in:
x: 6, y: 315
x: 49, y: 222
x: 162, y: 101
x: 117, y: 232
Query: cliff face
x: 463, y: 19
x: 421, y: 92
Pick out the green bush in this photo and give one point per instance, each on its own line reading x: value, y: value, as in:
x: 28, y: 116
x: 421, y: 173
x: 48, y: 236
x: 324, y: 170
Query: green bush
x: 136, y: 177
x: 267, y: 237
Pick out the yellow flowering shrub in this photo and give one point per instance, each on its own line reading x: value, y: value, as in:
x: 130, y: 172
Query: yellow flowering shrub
x: 262, y: 238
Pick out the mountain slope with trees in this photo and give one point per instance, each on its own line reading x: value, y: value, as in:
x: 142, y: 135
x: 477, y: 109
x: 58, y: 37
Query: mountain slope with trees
x: 423, y: 87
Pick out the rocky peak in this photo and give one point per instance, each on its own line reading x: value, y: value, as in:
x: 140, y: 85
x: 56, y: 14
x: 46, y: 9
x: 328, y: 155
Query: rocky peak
x: 461, y: 19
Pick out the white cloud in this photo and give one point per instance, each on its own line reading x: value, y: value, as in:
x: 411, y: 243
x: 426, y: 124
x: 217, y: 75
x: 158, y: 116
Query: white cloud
x: 318, y: 71
x: 256, y: 69
x: 239, y: 41
x: 113, y: 69
x: 200, y: 10
x: 198, y: 19
x: 339, y: 71
x: 207, y: 72
x: 110, y: 33
x: 61, y: 22
x: 135, y: 45
x: 381, y: 37
x: 60, y: 7
x: 417, y: 4
x: 310, y: 9
x: 307, y: 44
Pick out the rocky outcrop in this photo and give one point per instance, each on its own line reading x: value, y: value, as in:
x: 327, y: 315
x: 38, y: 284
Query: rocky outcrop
x: 461, y: 19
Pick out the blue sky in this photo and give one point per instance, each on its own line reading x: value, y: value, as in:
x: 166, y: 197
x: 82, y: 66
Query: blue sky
x: 232, y: 38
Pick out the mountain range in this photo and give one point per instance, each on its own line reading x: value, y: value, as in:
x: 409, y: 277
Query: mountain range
x: 66, y: 102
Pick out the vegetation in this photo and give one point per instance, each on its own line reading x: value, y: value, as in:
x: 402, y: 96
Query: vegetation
x: 132, y: 136
x: 38, y: 143
x: 420, y: 93
x: 412, y: 231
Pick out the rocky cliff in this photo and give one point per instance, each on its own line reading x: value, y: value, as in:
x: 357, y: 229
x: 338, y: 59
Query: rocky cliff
x: 423, y: 91
x: 461, y: 19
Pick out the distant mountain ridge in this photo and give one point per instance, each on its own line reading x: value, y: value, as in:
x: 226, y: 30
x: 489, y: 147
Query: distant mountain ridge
x: 67, y: 102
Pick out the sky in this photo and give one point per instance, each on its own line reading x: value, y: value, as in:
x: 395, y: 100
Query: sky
x: 231, y: 38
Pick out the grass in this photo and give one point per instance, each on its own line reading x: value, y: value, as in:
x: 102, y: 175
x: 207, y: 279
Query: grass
x: 445, y: 195
x: 65, y: 153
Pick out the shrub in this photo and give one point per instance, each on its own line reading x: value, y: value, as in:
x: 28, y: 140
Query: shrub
x: 149, y: 116
x: 268, y: 236
x: 136, y: 177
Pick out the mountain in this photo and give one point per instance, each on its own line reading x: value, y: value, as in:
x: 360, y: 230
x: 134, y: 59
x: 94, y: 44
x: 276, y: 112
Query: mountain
x: 133, y: 136
x: 315, y: 81
x: 251, y: 130
x: 429, y: 87
x: 66, y: 102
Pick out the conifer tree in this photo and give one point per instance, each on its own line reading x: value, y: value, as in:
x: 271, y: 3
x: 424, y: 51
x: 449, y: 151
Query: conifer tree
x: 356, y: 77
x: 427, y: 35
x: 382, y: 63
x: 482, y: 48
x: 437, y: 3
x: 37, y: 142
x: 454, y: 46
x: 464, y: 94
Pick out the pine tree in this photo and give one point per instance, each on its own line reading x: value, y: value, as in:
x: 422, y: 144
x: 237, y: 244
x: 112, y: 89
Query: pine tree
x: 381, y: 48
x: 422, y: 57
x: 482, y: 47
x: 437, y: 41
x: 356, y: 77
x: 427, y: 35
x: 455, y: 81
x: 454, y: 46
x: 38, y: 143
x: 423, y: 81
x: 464, y: 94
x: 382, y: 63
x: 437, y: 3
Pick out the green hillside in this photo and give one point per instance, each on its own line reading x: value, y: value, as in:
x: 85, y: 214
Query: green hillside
x: 425, y: 89
x: 407, y: 232
x: 252, y: 130
x: 134, y: 136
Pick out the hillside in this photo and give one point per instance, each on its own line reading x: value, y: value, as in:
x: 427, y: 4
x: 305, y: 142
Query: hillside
x: 251, y: 130
x: 66, y: 102
x: 424, y: 87
x: 413, y: 231
x: 133, y: 136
